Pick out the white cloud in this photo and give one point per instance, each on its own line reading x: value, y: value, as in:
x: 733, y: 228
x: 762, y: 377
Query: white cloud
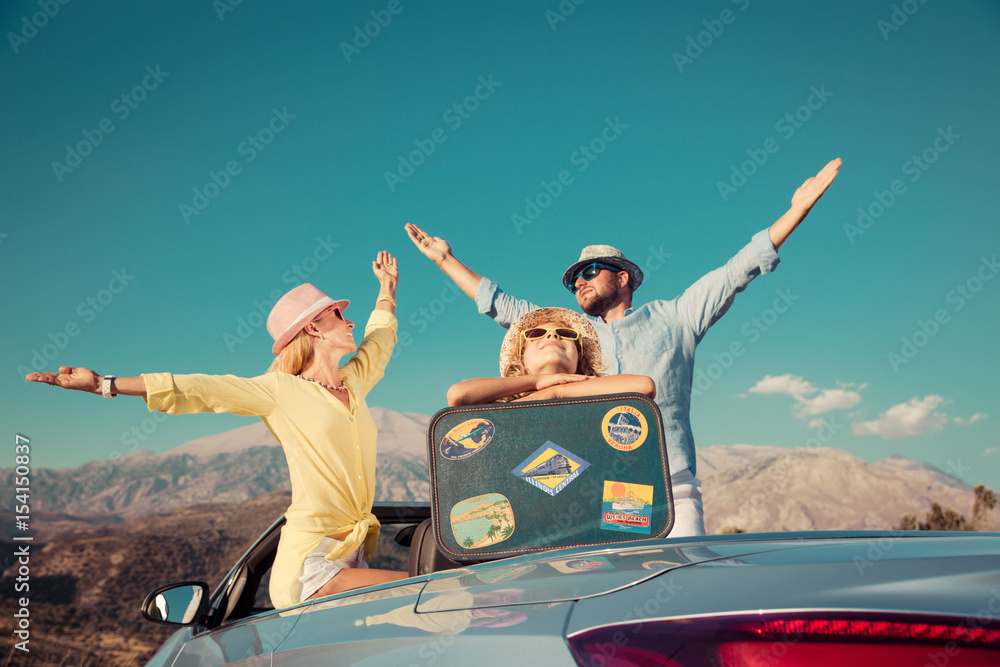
x: 906, y: 420
x: 990, y: 450
x: 828, y: 399
x: 789, y: 384
x: 848, y: 385
x: 799, y: 389
x: 965, y: 421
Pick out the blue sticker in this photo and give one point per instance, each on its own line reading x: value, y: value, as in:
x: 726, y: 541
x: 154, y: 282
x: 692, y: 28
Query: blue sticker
x: 550, y: 468
x: 467, y: 438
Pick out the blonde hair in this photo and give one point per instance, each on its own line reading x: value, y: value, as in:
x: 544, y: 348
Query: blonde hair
x: 293, y: 357
x: 588, y: 363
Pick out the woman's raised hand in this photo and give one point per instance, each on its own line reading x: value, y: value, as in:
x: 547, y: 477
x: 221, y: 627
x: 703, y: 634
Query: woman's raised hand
x: 68, y: 377
x: 435, y: 248
x: 385, y: 269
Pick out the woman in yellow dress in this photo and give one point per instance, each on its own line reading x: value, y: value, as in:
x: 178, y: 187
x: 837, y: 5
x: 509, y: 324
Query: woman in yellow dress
x: 316, y: 409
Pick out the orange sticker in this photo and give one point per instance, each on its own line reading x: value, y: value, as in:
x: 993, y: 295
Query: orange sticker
x: 624, y: 428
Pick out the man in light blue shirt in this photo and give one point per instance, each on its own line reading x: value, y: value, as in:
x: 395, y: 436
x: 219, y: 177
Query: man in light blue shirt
x: 658, y: 338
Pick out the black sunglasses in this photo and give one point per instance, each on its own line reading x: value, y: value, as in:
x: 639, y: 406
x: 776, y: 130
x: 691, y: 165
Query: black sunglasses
x: 590, y: 272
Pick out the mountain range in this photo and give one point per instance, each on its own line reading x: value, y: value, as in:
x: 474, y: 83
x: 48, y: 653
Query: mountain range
x: 751, y: 487
x: 109, y: 531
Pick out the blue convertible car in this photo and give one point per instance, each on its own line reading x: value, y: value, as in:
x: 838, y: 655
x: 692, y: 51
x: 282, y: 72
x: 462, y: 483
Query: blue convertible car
x: 627, y: 594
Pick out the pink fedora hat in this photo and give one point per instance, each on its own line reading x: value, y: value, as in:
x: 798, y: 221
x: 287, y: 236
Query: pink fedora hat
x: 294, y: 310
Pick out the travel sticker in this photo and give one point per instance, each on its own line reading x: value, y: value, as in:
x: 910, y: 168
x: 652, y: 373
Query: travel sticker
x: 624, y: 428
x: 550, y: 468
x: 467, y: 438
x: 584, y: 564
x: 482, y: 520
x: 659, y: 564
x: 627, y: 507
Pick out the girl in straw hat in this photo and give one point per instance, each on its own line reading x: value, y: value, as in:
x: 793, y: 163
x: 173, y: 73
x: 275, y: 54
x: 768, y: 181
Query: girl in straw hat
x: 316, y: 409
x: 548, y: 353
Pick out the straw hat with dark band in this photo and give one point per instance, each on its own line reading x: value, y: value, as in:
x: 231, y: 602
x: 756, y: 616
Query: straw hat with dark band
x: 604, y: 254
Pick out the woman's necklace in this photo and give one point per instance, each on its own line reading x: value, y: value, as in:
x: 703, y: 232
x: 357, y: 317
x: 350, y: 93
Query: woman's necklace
x: 340, y: 387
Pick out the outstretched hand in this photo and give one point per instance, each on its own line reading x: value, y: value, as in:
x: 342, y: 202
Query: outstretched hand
x: 802, y: 202
x: 68, y: 377
x: 435, y: 248
x: 810, y: 191
x: 385, y: 269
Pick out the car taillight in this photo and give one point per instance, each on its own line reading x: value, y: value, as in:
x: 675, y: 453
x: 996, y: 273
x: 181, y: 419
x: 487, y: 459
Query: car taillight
x: 794, y: 640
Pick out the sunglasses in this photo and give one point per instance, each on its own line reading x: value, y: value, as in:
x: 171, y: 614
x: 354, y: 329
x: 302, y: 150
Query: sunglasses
x: 564, y: 333
x: 590, y: 272
x: 327, y: 311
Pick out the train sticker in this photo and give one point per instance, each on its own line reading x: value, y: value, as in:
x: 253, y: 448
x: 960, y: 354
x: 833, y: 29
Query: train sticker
x: 550, y: 468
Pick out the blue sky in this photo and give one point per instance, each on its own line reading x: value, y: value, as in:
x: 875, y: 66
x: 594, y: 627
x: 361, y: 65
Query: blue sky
x: 169, y: 167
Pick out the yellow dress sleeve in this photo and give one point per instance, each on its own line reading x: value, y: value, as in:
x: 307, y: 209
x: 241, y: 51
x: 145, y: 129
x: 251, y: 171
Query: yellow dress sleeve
x: 368, y: 364
x: 186, y: 394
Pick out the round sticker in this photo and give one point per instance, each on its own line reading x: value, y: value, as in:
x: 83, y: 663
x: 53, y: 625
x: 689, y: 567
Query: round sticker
x: 467, y: 438
x: 658, y: 564
x: 624, y: 428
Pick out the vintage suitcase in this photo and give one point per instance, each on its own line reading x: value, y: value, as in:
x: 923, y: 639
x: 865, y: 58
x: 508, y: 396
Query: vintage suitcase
x: 511, y: 478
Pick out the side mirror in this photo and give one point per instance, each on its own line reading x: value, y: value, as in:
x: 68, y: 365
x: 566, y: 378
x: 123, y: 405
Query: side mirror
x: 181, y: 603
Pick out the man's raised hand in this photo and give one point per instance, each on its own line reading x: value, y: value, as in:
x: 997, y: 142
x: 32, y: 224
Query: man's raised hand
x: 435, y: 248
x: 810, y: 191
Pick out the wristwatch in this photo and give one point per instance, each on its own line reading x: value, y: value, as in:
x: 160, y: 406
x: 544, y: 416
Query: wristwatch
x: 106, y: 386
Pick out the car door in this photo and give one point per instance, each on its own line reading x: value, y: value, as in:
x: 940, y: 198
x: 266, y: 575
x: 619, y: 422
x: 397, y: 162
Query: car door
x: 246, y: 642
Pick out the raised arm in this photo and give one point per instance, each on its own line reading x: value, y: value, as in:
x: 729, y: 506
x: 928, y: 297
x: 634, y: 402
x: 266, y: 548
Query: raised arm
x: 802, y: 201
x: 438, y: 251
x: 84, y: 379
x: 385, y: 269
x: 708, y: 299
